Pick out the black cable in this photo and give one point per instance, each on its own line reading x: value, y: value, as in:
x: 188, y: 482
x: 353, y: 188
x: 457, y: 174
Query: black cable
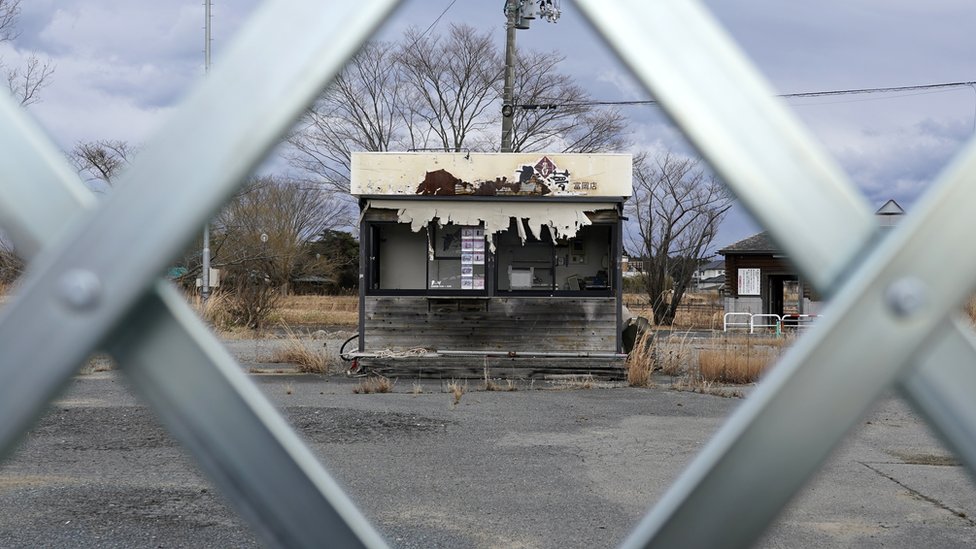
x: 853, y: 91
x: 423, y: 34
x: 342, y: 348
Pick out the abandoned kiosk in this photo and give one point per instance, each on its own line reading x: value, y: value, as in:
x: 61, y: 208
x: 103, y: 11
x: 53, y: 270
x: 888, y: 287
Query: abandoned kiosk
x: 505, y: 261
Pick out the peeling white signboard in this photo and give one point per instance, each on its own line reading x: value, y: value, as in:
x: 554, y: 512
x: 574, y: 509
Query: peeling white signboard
x: 749, y: 281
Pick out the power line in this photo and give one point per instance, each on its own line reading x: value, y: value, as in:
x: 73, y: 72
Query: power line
x: 423, y: 34
x: 825, y: 93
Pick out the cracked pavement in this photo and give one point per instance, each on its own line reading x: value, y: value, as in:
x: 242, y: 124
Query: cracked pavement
x: 555, y: 467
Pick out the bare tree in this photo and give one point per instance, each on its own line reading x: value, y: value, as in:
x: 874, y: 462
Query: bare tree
x: 291, y: 214
x: 452, y: 83
x: 554, y: 112
x: 361, y: 110
x: 101, y: 160
x: 25, y: 82
x: 677, y: 209
x: 443, y: 92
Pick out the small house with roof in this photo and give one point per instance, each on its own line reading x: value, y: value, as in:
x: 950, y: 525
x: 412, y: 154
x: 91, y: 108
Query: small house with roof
x: 509, y: 261
x: 759, y: 278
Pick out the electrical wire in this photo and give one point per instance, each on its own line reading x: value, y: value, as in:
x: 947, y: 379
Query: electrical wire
x: 429, y: 27
x: 825, y: 93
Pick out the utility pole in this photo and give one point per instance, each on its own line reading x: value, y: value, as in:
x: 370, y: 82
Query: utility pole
x: 512, y: 13
x: 205, y: 254
x: 518, y: 14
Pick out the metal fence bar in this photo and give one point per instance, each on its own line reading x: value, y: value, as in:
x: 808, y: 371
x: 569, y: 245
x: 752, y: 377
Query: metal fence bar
x: 836, y: 190
x: 191, y: 381
x: 239, y: 434
x: 77, y: 284
x: 702, y: 81
x: 726, y: 110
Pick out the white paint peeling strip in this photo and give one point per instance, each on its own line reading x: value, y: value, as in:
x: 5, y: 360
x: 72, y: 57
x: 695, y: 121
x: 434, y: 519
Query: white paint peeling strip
x: 563, y: 219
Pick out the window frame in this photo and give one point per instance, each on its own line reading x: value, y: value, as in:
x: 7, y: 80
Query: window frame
x: 370, y: 269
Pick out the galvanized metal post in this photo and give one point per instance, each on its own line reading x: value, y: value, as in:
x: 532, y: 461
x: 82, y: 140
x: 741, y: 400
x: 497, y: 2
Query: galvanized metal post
x: 508, y: 109
x: 205, y: 253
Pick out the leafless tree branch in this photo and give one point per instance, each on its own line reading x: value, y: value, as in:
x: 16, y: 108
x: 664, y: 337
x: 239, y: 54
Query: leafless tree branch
x: 677, y: 209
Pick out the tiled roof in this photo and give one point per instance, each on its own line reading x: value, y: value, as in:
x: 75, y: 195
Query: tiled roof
x: 757, y: 243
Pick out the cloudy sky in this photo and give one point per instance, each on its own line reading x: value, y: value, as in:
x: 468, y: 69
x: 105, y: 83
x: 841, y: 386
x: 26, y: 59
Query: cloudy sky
x: 123, y: 66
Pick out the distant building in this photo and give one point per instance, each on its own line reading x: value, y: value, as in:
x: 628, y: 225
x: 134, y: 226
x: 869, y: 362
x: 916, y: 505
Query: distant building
x: 759, y: 278
x: 709, y: 276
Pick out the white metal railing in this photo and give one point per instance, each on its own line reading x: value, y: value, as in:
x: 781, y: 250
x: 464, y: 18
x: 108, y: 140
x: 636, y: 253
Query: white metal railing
x: 747, y: 323
x: 762, y: 321
x: 890, y: 300
x: 798, y: 321
x: 767, y: 320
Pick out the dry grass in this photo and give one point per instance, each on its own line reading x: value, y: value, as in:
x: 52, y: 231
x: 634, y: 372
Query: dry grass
x: 98, y: 363
x: 640, y: 361
x: 695, y: 384
x: 507, y: 385
x: 701, y: 365
x: 217, y: 310
x: 457, y: 390
x: 739, y: 360
x: 317, y: 310
x: 309, y: 361
x: 575, y: 382
x: 724, y: 366
x: 416, y: 388
x: 373, y: 384
x: 970, y: 309
x: 696, y: 311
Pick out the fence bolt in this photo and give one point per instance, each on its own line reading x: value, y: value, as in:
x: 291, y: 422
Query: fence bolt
x: 906, y: 296
x: 80, y: 289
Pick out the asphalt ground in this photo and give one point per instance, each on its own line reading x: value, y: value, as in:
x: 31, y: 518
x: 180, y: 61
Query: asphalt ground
x: 548, y: 465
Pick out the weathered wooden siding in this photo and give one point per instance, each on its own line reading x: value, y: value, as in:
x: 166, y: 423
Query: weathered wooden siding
x: 519, y: 324
x: 496, y: 367
x: 769, y: 264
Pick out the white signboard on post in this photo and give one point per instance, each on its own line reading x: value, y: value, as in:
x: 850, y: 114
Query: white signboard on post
x: 748, y: 281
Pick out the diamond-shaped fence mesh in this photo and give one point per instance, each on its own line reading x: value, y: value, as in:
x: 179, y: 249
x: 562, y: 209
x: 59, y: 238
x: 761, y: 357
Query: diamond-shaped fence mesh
x: 889, y: 323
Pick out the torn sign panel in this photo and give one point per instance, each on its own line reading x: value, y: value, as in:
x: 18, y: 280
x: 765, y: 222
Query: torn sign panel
x: 563, y: 219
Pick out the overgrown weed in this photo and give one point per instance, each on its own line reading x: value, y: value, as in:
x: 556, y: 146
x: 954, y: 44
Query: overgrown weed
x: 640, y: 361
x: 457, y: 390
x: 295, y: 351
x: 374, y: 384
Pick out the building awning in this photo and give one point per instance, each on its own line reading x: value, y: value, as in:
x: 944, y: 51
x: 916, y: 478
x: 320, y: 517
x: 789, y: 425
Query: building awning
x: 564, y: 219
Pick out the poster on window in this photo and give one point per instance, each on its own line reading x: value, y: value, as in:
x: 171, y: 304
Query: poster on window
x: 478, y: 258
x: 749, y: 282
x: 467, y: 258
x: 478, y: 283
